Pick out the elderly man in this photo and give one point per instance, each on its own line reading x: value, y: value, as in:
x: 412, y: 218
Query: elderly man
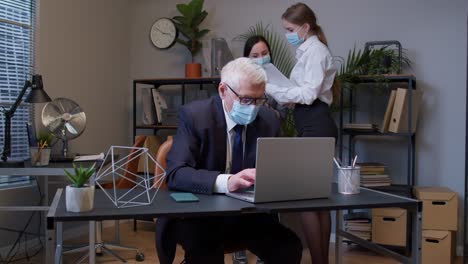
x: 214, y: 152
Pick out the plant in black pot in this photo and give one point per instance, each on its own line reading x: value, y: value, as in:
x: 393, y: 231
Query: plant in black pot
x: 188, y: 24
x: 79, y: 196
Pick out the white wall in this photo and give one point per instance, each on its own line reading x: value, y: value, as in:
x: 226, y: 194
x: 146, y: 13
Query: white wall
x: 83, y: 54
x: 432, y: 31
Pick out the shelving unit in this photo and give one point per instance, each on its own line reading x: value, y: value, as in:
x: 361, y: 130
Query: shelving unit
x: 157, y: 83
x: 354, y: 135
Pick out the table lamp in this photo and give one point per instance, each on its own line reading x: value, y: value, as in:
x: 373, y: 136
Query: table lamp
x: 37, y: 95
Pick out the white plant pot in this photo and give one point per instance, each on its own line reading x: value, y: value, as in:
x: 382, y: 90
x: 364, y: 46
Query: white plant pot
x: 79, y: 199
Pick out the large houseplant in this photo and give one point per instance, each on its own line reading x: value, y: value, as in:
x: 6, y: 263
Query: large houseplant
x: 79, y: 196
x: 188, y: 24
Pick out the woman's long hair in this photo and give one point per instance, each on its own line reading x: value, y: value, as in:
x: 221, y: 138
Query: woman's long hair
x: 299, y: 14
x: 254, y: 40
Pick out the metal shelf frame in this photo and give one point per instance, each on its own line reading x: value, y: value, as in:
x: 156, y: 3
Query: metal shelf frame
x: 156, y: 83
x: 353, y: 135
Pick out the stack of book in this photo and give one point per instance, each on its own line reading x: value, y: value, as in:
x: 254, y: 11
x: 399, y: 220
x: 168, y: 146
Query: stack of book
x: 374, y: 175
x: 358, y: 224
x: 360, y: 127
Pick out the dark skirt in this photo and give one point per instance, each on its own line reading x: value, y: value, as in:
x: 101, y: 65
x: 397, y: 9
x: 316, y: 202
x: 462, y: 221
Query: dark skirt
x: 314, y: 120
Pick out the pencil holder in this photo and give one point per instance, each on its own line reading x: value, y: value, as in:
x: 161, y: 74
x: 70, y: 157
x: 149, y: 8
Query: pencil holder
x: 39, y: 156
x: 349, y: 179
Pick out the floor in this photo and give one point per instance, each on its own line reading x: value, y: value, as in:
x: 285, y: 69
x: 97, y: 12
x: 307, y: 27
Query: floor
x: 144, y: 240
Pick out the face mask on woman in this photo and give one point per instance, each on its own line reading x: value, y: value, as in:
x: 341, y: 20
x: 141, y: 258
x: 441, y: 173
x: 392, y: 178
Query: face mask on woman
x: 293, y: 38
x: 262, y: 60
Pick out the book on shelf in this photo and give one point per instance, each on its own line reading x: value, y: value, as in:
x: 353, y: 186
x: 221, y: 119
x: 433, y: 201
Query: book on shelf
x: 357, y: 216
x: 388, y: 112
x: 148, y: 110
x: 159, y: 104
x: 96, y: 157
x: 382, y: 184
x: 358, y: 224
x: 360, y: 126
x: 399, y: 118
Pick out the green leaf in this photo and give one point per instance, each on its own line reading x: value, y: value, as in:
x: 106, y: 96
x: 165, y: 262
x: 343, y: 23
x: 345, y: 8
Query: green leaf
x: 70, y: 176
x: 198, y: 19
x: 196, y: 6
x: 184, y: 9
x: 180, y: 19
x: 201, y: 33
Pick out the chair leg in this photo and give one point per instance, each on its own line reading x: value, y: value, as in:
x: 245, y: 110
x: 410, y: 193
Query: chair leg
x: 134, y: 225
x: 110, y: 252
x: 119, y: 247
x: 98, y: 236
x: 117, y: 231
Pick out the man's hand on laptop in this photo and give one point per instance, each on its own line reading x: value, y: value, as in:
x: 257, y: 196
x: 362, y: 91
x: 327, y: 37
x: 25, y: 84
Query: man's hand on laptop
x: 241, y: 180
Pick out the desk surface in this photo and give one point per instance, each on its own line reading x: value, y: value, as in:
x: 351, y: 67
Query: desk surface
x: 163, y: 205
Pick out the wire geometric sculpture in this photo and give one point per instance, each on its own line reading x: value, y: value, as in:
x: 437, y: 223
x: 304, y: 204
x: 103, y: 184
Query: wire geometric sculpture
x: 116, y: 167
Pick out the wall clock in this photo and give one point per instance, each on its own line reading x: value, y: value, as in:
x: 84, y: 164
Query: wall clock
x: 163, y: 33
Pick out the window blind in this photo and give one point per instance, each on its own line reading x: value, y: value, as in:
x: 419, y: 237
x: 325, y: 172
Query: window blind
x: 17, y: 23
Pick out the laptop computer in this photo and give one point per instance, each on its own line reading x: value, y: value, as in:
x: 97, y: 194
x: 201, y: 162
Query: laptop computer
x: 291, y: 169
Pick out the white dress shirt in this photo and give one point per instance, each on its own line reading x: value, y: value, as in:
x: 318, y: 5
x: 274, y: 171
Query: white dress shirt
x: 312, y: 76
x: 222, y: 179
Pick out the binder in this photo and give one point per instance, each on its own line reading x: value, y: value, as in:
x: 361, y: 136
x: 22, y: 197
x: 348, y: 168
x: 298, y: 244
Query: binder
x: 148, y: 111
x: 399, y: 119
x: 159, y: 104
x: 388, y: 112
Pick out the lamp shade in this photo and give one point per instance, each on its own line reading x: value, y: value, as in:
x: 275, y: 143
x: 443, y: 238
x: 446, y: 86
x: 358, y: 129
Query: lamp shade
x: 37, y: 94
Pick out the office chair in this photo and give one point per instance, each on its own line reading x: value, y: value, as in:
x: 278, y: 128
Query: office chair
x: 167, y: 247
x: 122, y: 183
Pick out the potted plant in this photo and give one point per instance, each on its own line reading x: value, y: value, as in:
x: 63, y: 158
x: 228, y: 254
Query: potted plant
x: 188, y: 25
x: 40, y: 155
x: 79, y: 197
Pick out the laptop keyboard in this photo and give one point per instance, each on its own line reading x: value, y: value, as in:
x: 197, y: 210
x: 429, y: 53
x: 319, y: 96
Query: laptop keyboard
x: 249, y: 194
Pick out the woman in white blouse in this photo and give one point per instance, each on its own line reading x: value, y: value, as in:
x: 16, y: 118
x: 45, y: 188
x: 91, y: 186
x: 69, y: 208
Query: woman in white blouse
x: 311, y: 94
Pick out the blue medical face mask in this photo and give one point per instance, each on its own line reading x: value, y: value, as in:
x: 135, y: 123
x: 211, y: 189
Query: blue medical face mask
x: 243, y: 114
x: 262, y: 60
x: 293, y: 38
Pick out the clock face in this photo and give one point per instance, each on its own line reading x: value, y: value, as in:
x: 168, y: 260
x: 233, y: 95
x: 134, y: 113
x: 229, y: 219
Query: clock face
x: 163, y: 33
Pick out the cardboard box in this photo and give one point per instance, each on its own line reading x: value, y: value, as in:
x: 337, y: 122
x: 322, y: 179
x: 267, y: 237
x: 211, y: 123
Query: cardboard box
x: 440, y: 208
x: 389, y: 226
x: 438, y: 246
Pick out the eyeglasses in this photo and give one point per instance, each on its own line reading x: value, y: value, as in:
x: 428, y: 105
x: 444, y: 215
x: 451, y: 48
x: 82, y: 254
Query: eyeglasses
x: 249, y: 100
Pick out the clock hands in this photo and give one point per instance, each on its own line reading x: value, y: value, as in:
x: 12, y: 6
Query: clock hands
x: 165, y: 33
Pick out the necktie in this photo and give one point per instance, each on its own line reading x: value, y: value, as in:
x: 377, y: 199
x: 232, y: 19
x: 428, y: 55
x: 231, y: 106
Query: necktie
x: 237, y: 150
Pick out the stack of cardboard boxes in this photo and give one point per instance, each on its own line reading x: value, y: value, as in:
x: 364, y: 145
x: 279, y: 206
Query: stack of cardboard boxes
x: 439, y: 223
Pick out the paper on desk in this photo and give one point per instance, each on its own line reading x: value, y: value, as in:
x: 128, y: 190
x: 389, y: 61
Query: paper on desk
x: 99, y: 156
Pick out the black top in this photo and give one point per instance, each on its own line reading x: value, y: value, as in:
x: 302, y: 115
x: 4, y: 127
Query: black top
x: 163, y: 205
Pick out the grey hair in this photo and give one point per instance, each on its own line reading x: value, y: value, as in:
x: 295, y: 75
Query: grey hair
x: 243, y: 69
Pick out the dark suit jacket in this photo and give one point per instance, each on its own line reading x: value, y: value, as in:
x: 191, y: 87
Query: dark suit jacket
x: 198, y: 153
x: 198, y: 156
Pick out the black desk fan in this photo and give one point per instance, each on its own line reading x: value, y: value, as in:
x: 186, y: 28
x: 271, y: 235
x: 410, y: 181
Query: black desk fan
x: 65, y: 120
